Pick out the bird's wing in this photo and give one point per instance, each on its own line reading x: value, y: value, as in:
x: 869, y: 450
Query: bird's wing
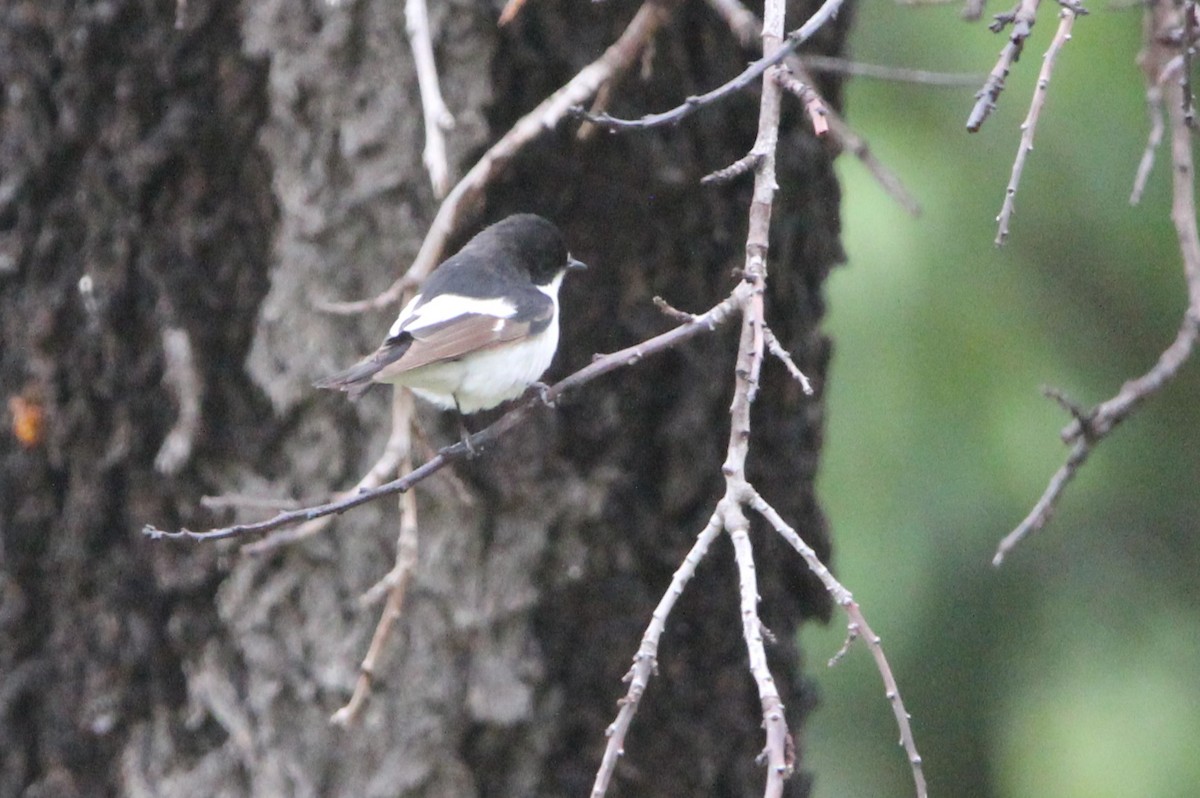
x: 450, y: 340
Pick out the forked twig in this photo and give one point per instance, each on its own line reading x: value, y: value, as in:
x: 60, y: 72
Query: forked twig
x: 1029, y: 126
x: 1022, y: 19
x: 747, y: 27
x: 1090, y: 428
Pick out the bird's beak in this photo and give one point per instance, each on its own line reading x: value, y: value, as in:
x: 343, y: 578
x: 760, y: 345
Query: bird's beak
x: 575, y: 265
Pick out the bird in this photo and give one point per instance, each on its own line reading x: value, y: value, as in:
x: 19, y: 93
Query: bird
x: 483, y: 327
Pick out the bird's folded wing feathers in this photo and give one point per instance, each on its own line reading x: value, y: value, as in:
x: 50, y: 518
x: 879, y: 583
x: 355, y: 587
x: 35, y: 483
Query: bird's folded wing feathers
x: 450, y: 340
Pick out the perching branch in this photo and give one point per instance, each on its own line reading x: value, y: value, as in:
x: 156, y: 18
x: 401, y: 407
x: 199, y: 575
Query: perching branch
x: 603, y: 364
x: 1089, y: 428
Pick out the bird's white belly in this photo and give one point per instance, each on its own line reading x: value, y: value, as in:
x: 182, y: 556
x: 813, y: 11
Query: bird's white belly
x: 487, y: 377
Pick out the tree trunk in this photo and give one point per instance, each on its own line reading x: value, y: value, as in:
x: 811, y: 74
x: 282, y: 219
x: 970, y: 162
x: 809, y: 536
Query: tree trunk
x: 155, y: 181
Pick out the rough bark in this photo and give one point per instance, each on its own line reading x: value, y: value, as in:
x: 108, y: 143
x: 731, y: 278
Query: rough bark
x: 152, y: 160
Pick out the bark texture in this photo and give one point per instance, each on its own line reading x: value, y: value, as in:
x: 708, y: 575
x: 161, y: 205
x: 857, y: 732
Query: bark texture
x: 277, y: 144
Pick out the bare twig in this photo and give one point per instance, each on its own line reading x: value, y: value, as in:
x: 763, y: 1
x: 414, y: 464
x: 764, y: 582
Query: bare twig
x: 1154, y: 109
x: 824, y: 14
x: 813, y: 104
x: 395, y: 583
x: 181, y: 376
x: 857, y: 627
x: 1022, y: 19
x: 1083, y: 435
x: 729, y: 515
x: 1029, y: 126
x: 395, y: 452
x: 778, y: 351
x: 741, y: 166
x: 466, y: 194
x: 645, y: 662
x: 924, y: 77
x: 705, y: 322
x: 747, y: 27
x: 438, y: 118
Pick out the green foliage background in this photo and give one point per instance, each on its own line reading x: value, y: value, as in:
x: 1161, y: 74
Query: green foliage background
x: 1074, y: 670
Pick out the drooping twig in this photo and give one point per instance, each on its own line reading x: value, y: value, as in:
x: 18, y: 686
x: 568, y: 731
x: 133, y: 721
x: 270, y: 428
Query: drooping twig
x: 645, y: 662
x: 1083, y: 437
x: 924, y: 77
x: 437, y: 116
x: 395, y: 583
x: 469, y: 190
x: 1154, y: 109
x: 1022, y: 19
x: 705, y: 322
x: 857, y: 628
x: 776, y: 349
x: 729, y: 515
x: 824, y: 14
x: 1029, y: 126
x: 747, y: 27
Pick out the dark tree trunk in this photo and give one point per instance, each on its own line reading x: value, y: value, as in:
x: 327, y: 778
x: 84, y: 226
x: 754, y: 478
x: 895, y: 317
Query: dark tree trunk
x: 179, y: 173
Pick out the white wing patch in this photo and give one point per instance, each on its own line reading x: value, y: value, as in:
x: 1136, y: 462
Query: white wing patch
x: 443, y: 308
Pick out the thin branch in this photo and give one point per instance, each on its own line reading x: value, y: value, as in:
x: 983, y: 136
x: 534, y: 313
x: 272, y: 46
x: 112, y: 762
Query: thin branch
x: 813, y: 104
x: 705, y: 322
x: 395, y: 583
x: 645, y: 662
x: 395, y: 452
x: 823, y: 15
x: 923, y: 77
x: 744, y: 165
x: 468, y: 192
x: 775, y: 752
x: 778, y: 351
x: 1022, y: 19
x: 1029, y: 126
x: 1096, y: 425
x: 438, y: 118
x: 857, y: 627
x: 1154, y: 109
x: 746, y: 26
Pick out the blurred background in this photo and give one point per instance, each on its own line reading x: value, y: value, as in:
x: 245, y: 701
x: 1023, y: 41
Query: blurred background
x: 1073, y: 670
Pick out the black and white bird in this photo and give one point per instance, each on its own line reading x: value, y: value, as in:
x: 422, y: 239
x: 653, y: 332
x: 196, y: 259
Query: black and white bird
x: 484, y: 326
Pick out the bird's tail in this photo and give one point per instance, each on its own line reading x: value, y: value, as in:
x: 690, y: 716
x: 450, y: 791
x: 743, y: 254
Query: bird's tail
x: 355, y: 381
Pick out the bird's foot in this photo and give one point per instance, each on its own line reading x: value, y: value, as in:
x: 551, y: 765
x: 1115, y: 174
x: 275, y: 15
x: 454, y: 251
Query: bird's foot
x: 543, y: 392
